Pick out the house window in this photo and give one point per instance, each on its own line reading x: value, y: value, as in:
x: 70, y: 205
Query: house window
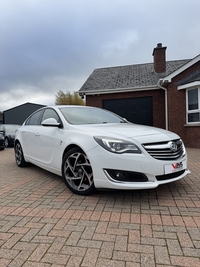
x: 193, y: 105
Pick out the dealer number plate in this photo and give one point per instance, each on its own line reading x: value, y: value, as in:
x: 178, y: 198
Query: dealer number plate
x: 175, y: 167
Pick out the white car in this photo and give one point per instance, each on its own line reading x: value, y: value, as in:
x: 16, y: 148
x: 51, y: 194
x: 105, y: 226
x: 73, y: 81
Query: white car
x: 95, y: 149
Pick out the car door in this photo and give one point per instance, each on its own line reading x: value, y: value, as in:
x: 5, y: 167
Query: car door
x: 48, y: 140
x: 28, y: 134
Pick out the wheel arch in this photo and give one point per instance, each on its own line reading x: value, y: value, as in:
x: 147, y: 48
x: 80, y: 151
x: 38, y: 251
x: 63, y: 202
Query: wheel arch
x: 15, y: 142
x: 68, y: 148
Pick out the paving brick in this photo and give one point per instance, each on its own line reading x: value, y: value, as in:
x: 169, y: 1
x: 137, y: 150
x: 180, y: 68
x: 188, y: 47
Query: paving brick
x: 110, y: 263
x: 55, y: 259
x: 185, y: 261
x: 88, y: 232
x: 185, y: 240
x: 86, y: 215
x: 126, y: 256
x: 161, y: 255
x: 101, y: 227
x: 115, y: 217
x: 74, y: 251
x: 153, y: 241
x: 89, y: 243
x: 74, y: 261
x: 107, y: 250
x: 146, y: 230
x: 156, y: 219
x: 189, y: 221
x: 43, y: 224
x: 115, y: 231
x: 95, y: 215
x: 104, y: 237
x: 191, y: 252
x: 90, y: 258
x: 174, y: 247
x: 74, y: 238
x: 178, y: 221
x: 134, y: 237
x: 145, y: 219
x: 125, y: 218
x: 121, y: 243
x: 105, y: 216
x: 147, y: 260
x: 164, y: 235
x: 142, y: 249
x: 135, y: 218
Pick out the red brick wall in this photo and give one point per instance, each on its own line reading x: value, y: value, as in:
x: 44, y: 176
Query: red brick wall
x: 177, y: 110
x: 158, y: 102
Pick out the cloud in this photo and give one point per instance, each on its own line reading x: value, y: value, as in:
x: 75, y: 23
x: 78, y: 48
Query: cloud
x: 47, y: 46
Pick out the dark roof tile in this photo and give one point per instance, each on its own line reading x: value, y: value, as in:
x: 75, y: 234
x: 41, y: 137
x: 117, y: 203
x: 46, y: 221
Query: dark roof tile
x: 129, y: 76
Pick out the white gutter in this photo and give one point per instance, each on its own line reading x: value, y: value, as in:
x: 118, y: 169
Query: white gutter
x: 189, y: 85
x: 166, y: 102
x: 117, y: 90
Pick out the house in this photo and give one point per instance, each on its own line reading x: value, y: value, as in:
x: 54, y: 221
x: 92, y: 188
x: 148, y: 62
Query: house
x: 163, y: 94
x: 18, y: 114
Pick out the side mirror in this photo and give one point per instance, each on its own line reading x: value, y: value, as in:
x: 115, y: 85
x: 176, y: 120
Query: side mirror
x: 51, y: 122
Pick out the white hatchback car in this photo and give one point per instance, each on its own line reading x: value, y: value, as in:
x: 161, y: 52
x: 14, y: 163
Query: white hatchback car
x: 95, y: 149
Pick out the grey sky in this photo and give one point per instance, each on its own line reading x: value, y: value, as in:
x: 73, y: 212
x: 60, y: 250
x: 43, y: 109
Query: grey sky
x: 52, y: 45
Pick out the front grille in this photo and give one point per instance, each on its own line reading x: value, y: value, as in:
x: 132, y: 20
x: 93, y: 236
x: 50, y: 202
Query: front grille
x: 169, y: 150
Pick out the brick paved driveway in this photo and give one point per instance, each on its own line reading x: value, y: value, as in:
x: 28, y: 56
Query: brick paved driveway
x: 43, y: 224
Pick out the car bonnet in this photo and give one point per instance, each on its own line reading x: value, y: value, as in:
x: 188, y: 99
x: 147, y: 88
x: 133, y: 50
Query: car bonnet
x: 141, y: 133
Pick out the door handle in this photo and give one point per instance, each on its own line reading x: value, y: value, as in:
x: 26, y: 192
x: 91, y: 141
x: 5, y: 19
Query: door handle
x: 37, y: 134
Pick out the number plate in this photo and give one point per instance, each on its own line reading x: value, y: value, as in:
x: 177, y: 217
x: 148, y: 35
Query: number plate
x: 175, y: 167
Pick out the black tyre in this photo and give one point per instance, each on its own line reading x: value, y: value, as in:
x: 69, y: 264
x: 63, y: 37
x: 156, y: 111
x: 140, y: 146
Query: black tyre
x: 19, y: 156
x: 77, y: 172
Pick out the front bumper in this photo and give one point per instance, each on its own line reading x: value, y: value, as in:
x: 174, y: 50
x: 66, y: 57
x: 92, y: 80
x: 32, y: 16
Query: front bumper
x: 142, y: 164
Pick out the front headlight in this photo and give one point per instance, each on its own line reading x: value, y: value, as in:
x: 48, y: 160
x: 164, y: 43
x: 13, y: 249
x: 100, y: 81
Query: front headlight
x: 117, y: 145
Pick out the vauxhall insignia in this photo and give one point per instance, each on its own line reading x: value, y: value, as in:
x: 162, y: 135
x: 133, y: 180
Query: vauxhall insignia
x: 173, y: 146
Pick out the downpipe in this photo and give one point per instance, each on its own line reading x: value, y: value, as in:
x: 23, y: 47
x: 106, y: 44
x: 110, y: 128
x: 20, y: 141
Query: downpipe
x: 166, y: 102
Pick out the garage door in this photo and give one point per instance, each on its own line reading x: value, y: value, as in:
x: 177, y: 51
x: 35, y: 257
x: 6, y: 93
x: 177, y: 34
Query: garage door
x: 137, y: 110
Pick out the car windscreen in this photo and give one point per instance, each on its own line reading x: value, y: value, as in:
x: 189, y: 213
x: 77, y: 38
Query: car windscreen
x: 86, y: 115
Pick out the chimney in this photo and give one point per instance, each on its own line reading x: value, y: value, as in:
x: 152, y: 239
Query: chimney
x: 159, y: 58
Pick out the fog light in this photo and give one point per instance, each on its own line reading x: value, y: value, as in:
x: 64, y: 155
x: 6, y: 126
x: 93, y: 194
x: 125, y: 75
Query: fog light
x: 125, y: 176
x: 120, y: 176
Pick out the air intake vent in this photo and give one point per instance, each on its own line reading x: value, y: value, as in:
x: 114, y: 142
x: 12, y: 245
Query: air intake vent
x: 170, y: 150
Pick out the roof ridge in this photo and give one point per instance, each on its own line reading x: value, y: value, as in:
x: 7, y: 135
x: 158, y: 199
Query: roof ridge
x: 140, y: 64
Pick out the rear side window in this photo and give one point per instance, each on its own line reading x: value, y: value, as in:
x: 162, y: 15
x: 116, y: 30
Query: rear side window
x: 35, y: 118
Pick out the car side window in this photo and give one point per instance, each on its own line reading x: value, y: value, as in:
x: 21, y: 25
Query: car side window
x: 35, y: 118
x: 50, y: 113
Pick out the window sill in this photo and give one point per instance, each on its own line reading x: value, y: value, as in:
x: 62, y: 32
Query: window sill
x: 193, y: 125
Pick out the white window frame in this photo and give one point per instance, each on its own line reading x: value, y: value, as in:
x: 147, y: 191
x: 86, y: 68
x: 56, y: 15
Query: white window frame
x: 194, y: 110
x: 187, y: 87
